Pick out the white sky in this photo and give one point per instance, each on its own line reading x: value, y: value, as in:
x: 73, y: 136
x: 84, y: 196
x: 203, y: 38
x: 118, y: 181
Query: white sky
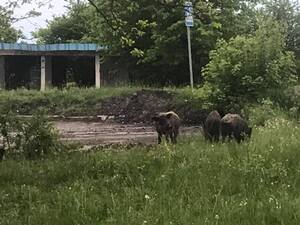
x: 32, y: 24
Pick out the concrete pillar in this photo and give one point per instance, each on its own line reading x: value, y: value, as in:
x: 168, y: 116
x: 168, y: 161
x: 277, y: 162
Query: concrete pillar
x: 97, y: 71
x: 46, y: 72
x: 2, y: 72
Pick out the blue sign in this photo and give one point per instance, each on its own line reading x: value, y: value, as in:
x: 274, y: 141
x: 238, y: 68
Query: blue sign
x: 188, y: 11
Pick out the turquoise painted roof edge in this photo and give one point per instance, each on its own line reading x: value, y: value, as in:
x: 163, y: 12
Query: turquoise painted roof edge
x: 51, y: 47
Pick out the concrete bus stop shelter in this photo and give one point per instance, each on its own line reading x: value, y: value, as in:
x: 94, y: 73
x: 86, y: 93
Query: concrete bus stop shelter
x: 45, y: 63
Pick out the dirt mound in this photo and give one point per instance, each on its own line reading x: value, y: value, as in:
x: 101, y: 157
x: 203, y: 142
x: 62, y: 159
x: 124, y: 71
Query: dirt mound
x: 142, y: 105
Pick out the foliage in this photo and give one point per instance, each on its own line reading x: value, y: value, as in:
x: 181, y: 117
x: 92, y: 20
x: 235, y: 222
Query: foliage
x: 287, y: 13
x: 259, y: 114
x: 194, y: 182
x: 33, y: 138
x: 38, y: 137
x: 293, y: 97
x: 198, y: 98
x: 246, y: 67
x: 143, y: 34
x: 8, y: 33
x: 73, y: 27
x: 149, y: 37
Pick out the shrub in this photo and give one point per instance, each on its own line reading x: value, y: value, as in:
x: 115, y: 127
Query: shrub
x: 293, y: 96
x: 258, y: 115
x: 33, y: 138
x: 38, y: 137
x: 246, y: 67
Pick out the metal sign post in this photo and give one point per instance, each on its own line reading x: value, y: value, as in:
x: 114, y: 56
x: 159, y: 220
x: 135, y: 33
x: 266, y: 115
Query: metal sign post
x: 189, y: 22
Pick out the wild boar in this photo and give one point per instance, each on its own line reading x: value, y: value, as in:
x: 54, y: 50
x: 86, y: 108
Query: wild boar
x: 211, y: 127
x: 234, y: 126
x: 167, y: 124
x: 2, y: 152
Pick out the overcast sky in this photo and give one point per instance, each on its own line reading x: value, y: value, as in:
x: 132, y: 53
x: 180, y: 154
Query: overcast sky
x: 29, y: 25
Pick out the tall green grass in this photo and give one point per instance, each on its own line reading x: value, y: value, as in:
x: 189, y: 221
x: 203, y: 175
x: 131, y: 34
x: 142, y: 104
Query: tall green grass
x: 193, y: 182
x: 87, y: 101
x: 71, y: 101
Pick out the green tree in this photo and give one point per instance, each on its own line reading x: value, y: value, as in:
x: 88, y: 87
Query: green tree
x: 287, y: 13
x: 245, y: 68
x: 150, y: 36
x: 8, y: 33
x: 72, y: 27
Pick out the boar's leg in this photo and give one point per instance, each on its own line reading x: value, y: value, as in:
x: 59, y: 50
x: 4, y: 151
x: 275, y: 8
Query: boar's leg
x: 215, y: 138
x: 175, y: 134
x: 167, y: 135
x: 2, y: 152
x: 224, y: 135
x: 159, y: 137
x: 238, y: 137
x: 172, y: 137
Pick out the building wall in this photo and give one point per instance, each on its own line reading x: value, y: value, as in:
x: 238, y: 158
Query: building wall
x: 25, y: 71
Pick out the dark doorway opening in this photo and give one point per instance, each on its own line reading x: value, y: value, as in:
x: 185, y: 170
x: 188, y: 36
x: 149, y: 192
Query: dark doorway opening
x: 22, y: 71
x: 81, y: 71
x: 78, y: 70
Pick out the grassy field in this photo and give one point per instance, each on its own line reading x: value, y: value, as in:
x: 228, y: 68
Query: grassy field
x: 73, y: 101
x: 194, y: 182
x: 81, y: 102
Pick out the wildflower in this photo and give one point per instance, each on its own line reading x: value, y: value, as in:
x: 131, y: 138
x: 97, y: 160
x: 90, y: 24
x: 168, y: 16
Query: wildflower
x: 217, y: 217
x: 147, y: 196
x: 243, y: 203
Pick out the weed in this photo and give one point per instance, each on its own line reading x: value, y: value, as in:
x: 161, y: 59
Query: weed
x: 193, y: 182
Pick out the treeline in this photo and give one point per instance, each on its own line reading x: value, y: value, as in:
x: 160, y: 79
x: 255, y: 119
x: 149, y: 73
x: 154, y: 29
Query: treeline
x: 149, y: 37
x: 243, y: 50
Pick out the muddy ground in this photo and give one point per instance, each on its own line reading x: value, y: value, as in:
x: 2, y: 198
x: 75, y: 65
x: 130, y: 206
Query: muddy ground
x: 101, y: 133
x: 140, y: 106
x: 127, y: 119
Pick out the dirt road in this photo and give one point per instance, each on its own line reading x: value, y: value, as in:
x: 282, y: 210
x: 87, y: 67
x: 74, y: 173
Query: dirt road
x: 97, y: 133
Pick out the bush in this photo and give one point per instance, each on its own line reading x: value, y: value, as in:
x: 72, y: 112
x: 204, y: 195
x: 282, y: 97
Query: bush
x: 246, y: 67
x: 293, y: 96
x: 33, y: 138
x: 38, y: 137
x: 258, y: 115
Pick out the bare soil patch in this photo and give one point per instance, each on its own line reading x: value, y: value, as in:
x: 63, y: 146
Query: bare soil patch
x: 99, y: 133
x: 142, y: 105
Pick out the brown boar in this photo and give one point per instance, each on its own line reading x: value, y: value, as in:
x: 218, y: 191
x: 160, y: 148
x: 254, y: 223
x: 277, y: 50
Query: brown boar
x: 234, y: 126
x: 167, y: 124
x: 211, y: 127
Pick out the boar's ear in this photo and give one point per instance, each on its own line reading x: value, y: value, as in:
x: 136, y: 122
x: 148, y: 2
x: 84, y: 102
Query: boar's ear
x: 155, y: 118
